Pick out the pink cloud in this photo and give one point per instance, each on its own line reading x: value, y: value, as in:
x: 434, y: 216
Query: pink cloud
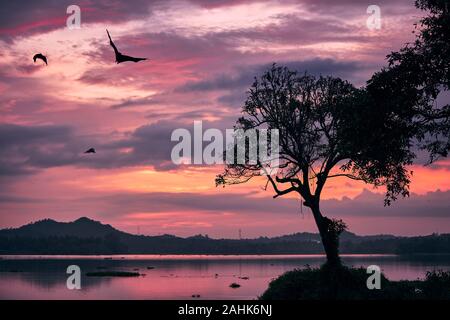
x: 194, y: 72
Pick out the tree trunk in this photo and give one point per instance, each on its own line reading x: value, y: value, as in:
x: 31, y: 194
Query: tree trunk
x: 330, y: 239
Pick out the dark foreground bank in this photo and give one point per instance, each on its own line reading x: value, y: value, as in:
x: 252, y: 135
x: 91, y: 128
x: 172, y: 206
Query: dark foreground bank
x: 343, y: 283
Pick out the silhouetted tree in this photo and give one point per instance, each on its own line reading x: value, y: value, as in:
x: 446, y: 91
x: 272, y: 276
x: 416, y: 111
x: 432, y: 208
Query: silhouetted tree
x: 324, y: 133
x: 330, y: 129
x: 417, y: 74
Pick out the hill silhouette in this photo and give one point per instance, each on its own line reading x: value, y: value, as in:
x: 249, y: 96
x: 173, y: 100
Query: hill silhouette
x: 81, y: 228
x: 87, y: 236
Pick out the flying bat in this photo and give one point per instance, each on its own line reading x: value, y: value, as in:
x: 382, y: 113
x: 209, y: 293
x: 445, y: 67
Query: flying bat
x: 90, y: 150
x: 119, y: 56
x: 40, y: 56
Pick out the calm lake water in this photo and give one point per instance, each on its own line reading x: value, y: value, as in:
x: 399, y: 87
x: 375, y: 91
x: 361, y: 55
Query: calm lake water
x: 179, y: 277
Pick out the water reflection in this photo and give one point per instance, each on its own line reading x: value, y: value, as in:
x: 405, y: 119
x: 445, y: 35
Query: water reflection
x: 178, y: 277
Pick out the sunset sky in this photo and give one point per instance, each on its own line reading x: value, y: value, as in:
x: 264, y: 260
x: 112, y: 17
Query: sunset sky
x: 202, y: 56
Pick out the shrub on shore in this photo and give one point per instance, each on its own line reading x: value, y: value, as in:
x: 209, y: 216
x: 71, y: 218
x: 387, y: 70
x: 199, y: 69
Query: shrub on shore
x: 343, y: 283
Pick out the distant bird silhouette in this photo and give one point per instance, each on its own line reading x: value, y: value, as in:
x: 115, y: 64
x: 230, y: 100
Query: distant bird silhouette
x: 40, y: 56
x: 90, y: 150
x: 121, y: 57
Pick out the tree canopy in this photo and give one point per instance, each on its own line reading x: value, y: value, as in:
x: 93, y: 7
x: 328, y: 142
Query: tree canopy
x: 323, y: 123
x: 416, y: 77
x: 328, y: 128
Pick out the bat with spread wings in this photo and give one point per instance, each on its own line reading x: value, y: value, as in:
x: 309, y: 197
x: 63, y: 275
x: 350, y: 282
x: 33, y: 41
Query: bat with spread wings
x: 119, y: 56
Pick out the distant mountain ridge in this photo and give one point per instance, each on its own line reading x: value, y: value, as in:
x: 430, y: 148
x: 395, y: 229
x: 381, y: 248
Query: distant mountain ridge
x: 85, y: 227
x: 82, y: 228
x: 87, y: 236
